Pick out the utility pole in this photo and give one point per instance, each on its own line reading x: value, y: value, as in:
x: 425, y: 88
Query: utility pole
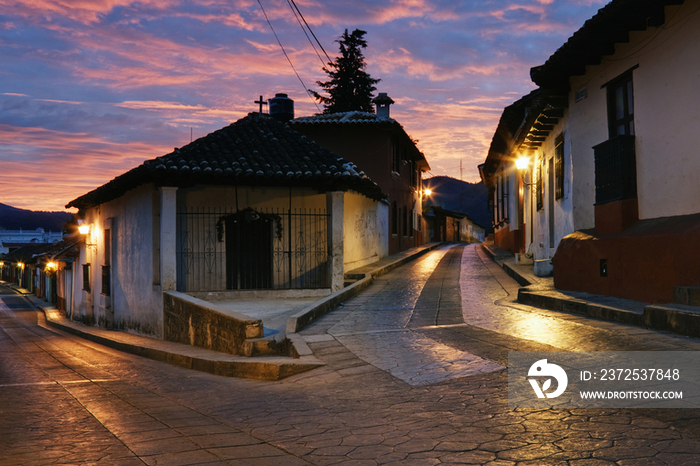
x: 461, y: 187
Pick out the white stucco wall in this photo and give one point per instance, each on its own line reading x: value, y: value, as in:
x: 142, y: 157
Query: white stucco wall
x: 666, y: 116
x: 366, y: 227
x: 135, y: 301
x: 564, y: 212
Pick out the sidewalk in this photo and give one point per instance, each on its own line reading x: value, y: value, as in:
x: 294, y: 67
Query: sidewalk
x: 200, y: 359
x: 540, y: 292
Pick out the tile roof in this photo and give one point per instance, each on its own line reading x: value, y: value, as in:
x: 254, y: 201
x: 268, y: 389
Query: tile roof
x: 514, y: 119
x: 597, y: 37
x: 348, y: 118
x: 256, y: 150
x: 355, y: 119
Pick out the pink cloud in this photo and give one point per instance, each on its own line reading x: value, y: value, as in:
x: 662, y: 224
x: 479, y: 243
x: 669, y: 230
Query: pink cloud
x: 82, y: 11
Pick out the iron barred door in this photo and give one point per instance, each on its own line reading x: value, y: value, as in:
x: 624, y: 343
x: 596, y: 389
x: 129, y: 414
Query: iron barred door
x: 248, y: 252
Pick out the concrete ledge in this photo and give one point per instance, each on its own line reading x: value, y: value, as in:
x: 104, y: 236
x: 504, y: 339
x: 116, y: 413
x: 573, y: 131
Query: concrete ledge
x: 363, y: 276
x: 676, y: 318
x: 581, y: 307
x: 196, y: 322
x: 259, y: 294
x: 199, y: 359
x: 517, y: 275
x: 320, y: 308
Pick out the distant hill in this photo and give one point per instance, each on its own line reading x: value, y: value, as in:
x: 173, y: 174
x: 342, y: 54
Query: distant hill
x: 460, y: 196
x: 12, y: 218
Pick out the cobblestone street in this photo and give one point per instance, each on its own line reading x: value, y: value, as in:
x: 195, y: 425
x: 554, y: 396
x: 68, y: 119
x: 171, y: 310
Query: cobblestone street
x: 415, y: 374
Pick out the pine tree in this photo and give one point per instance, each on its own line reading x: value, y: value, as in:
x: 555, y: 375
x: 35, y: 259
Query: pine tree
x: 350, y: 87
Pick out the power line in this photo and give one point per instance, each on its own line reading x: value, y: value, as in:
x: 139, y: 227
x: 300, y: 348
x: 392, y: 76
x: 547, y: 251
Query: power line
x: 289, y: 2
x: 306, y: 89
x: 312, y: 32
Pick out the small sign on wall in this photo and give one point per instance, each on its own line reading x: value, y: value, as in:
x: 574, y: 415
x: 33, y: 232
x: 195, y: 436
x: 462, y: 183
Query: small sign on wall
x: 581, y: 94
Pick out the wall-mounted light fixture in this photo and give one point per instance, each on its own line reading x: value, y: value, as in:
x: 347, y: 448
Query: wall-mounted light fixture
x: 84, y: 229
x: 522, y: 163
x: 52, y: 266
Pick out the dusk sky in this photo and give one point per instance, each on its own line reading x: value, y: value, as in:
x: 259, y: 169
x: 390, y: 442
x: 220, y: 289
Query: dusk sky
x: 91, y: 88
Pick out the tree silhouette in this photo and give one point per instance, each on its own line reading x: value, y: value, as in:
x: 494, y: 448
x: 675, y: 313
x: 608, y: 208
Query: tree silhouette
x: 350, y: 87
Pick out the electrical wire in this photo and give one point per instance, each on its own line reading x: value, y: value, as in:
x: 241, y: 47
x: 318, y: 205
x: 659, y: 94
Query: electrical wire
x: 312, y: 32
x: 306, y: 89
x: 289, y: 2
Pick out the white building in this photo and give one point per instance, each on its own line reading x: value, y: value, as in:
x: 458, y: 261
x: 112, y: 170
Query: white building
x: 613, y: 168
x: 13, y: 239
x: 253, y: 206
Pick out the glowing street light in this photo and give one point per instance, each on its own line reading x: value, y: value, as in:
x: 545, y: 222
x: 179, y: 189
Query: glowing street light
x: 521, y: 163
x: 83, y: 228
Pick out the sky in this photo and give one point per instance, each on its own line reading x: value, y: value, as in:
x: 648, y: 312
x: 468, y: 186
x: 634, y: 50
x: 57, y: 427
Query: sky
x: 91, y: 88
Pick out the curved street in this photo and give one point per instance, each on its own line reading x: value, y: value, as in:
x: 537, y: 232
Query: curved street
x: 415, y: 374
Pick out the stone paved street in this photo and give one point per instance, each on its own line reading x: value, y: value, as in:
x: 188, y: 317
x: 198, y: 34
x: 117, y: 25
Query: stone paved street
x: 415, y: 375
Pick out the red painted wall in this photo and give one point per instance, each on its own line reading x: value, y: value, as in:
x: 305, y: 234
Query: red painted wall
x: 644, y: 262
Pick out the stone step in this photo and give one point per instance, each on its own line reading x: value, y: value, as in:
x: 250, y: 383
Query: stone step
x: 687, y: 295
x: 275, y: 345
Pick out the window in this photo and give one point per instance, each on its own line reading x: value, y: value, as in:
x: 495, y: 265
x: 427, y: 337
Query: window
x: 395, y: 156
x: 86, y: 277
x: 499, y: 217
x: 405, y: 221
x: 559, y: 166
x: 621, y: 105
x: 414, y: 173
x: 539, y: 188
x: 506, y: 195
x: 106, y: 275
x: 394, y: 218
x: 615, y: 159
x: 412, y: 226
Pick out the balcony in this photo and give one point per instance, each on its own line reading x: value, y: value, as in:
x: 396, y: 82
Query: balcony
x: 615, y: 170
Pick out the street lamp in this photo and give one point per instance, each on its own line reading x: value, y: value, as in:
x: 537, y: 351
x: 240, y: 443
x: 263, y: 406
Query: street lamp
x: 84, y: 229
x: 522, y: 163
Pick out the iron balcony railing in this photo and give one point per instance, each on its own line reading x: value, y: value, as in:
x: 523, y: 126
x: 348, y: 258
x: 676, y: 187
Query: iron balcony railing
x: 615, y: 169
x: 247, y: 249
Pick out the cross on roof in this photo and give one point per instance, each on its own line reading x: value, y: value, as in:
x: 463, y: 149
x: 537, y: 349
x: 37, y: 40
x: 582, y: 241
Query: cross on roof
x: 261, y: 102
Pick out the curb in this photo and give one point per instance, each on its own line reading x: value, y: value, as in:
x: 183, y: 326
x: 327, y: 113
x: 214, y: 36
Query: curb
x: 189, y: 357
x: 307, y: 316
x: 585, y: 308
x: 675, y: 318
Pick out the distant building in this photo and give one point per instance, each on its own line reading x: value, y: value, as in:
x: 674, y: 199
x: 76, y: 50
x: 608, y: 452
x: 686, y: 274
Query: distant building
x: 11, y: 240
x: 446, y: 225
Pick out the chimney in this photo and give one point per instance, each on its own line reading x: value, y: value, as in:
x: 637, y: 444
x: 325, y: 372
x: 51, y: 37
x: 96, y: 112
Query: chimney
x: 281, y: 108
x: 383, y: 101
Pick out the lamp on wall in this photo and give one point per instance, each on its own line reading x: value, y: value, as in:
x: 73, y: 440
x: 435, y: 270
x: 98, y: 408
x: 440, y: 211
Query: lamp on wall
x: 522, y: 163
x: 84, y: 229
